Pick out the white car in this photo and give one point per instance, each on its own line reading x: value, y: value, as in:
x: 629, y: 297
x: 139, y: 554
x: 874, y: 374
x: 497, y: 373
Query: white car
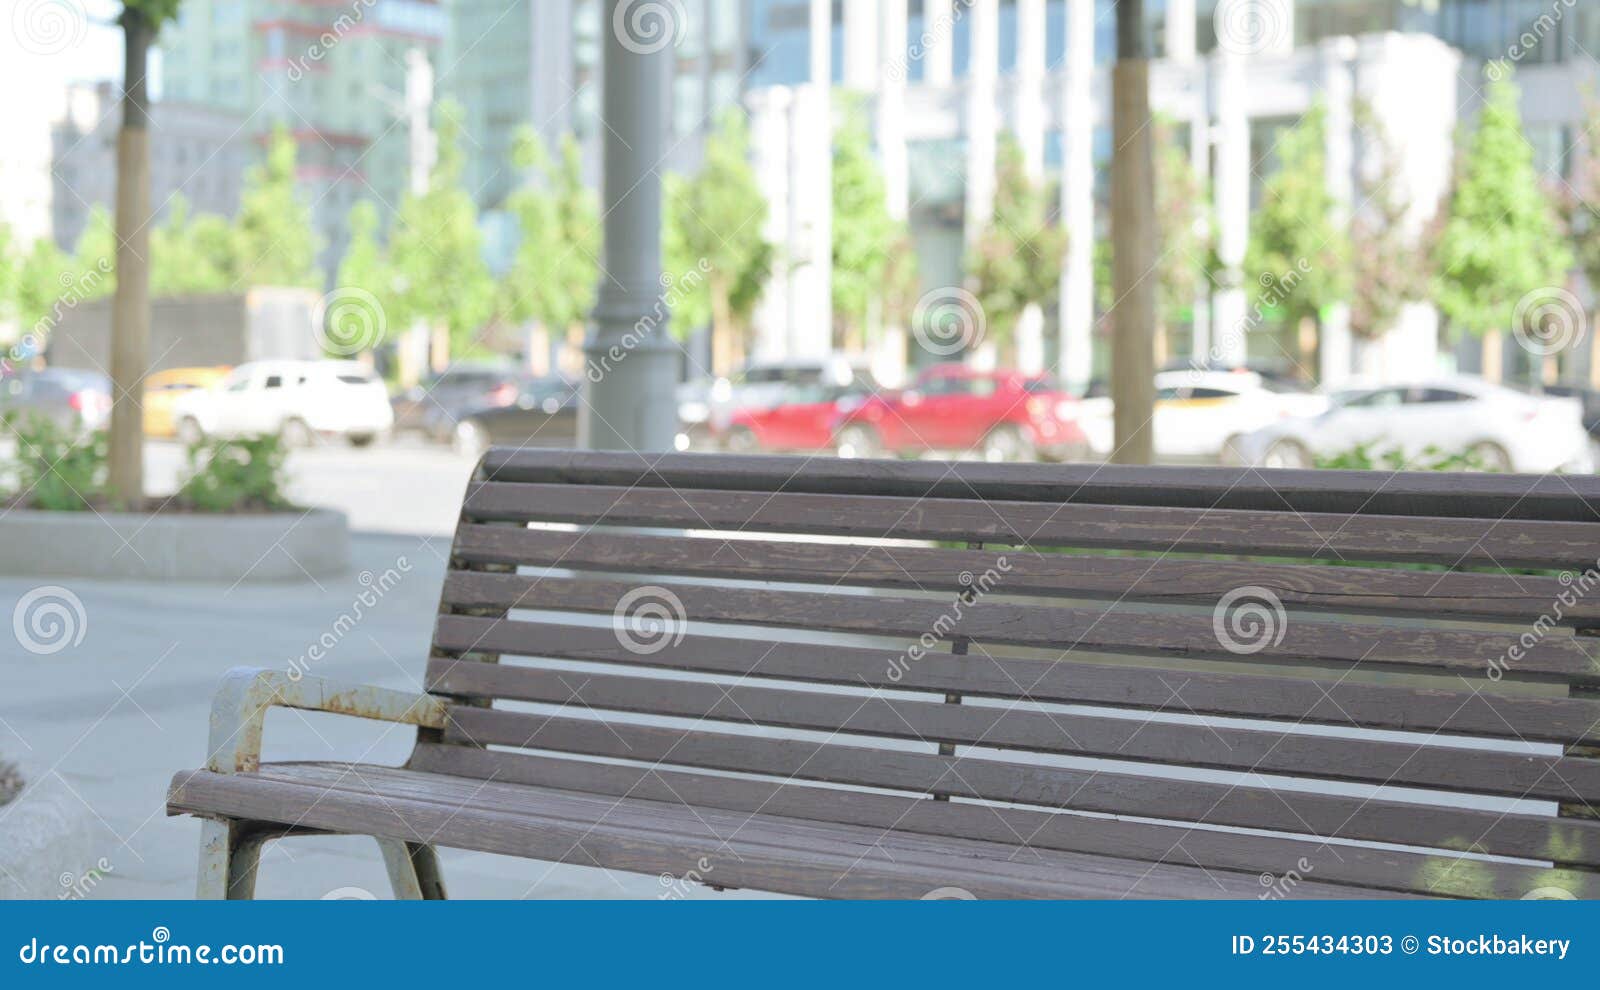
x: 1199, y: 413
x: 296, y: 400
x: 1501, y: 428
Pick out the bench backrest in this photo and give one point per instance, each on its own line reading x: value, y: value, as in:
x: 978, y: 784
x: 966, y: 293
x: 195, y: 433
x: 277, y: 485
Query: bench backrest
x: 1356, y: 657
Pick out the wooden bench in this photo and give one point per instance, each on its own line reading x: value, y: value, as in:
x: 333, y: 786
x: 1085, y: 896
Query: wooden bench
x: 841, y: 678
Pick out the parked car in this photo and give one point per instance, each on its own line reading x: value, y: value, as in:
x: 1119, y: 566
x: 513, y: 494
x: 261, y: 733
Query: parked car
x: 1198, y: 413
x: 544, y: 414
x: 1501, y: 428
x: 1589, y: 397
x: 707, y: 406
x: 435, y: 406
x: 802, y: 418
x: 163, y: 389
x: 72, y: 399
x: 299, y: 401
x: 1004, y: 415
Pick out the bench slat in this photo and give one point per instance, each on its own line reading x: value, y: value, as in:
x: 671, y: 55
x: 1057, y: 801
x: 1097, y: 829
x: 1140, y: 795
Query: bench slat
x: 1417, y: 493
x: 1090, y: 630
x: 763, y: 853
x: 1006, y: 727
x: 1334, y: 589
x: 1453, y: 542
x: 1464, y: 712
x: 1101, y: 791
x: 1435, y: 875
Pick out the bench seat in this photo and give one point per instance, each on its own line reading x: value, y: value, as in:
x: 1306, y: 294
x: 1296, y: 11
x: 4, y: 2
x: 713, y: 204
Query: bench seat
x: 637, y: 835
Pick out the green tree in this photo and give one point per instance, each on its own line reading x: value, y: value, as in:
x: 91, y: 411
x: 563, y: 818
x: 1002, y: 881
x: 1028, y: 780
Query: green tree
x: 1016, y: 261
x: 192, y: 255
x: 8, y: 272
x: 868, y: 243
x: 713, y: 243
x: 1501, y: 240
x: 276, y: 242
x: 554, y: 275
x: 1389, y: 266
x: 1299, y: 254
x: 437, y: 251
x: 94, y: 256
x: 1186, y: 236
x: 44, y: 274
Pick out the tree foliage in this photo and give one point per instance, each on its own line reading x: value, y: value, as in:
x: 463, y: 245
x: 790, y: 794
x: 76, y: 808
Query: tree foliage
x: 192, y: 255
x: 871, y: 264
x: 1186, y: 234
x: 1389, y: 265
x: 553, y: 277
x: 714, y: 244
x: 1016, y: 260
x: 437, y: 250
x: 1501, y: 239
x: 1298, y: 252
x: 276, y: 242
x: 1582, y: 201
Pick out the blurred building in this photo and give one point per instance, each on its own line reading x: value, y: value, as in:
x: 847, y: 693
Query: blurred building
x: 197, y: 151
x: 945, y: 77
x: 535, y: 63
x: 333, y: 73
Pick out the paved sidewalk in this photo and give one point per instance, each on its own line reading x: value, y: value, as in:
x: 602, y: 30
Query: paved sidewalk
x: 113, y: 718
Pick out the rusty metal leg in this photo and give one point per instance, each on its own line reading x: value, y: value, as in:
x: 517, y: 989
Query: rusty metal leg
x: 413, y: 870
x: 230, y: 853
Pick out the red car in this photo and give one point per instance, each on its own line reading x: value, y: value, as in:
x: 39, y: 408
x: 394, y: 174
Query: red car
x: 1005, y: 415
x: 800, y: 418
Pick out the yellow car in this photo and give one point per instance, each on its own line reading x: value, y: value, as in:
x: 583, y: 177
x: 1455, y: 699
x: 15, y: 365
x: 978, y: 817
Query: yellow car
x: 163, y: 388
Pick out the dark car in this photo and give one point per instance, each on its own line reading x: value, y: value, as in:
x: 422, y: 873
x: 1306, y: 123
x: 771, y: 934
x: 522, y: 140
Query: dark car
x: 71, y: 398
x: 543, y: 413
x: 435, y: 406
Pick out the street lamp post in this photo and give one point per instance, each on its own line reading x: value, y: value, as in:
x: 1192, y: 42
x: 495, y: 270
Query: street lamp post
x: 630, y: 371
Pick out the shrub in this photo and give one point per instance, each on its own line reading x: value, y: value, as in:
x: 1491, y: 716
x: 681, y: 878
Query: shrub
x: 235, y: 475
x: 1363, y: 457
x: 57, y: 468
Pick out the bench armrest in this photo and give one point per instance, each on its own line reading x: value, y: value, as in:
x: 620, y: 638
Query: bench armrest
x: 241, y: 703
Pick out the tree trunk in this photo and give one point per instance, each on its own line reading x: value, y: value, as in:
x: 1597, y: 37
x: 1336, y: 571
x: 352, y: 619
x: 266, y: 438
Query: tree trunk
x: 724, y: 335
x: 1493, y: 352
x: 130, y: 306
x: 1133, y: 243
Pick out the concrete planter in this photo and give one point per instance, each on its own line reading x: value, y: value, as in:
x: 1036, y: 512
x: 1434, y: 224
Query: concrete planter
x: 277, y: 546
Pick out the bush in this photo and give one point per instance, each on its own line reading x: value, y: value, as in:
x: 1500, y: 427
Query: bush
x: 1363, y: 457
x: 235, y: 475
x: 58, y: 469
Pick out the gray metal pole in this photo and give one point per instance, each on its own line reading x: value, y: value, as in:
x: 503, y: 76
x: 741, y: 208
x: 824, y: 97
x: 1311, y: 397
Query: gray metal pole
x: 631, y: 367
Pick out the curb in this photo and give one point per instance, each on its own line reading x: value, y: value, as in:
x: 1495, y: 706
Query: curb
x: 279, y: 546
